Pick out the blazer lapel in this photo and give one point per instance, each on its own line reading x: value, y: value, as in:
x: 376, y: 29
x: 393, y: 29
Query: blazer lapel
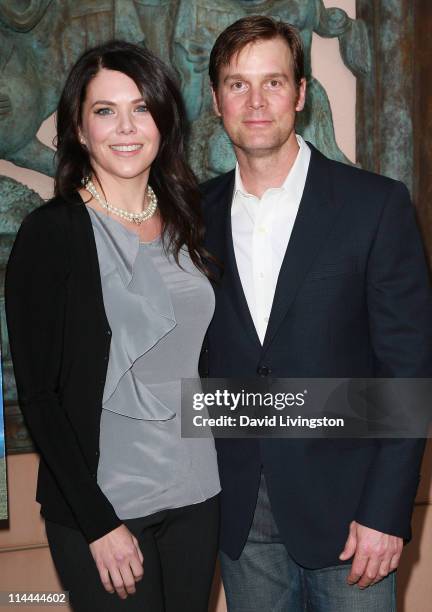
x: 235, y: 287
x: 315, y: 218
x: 220, y: 243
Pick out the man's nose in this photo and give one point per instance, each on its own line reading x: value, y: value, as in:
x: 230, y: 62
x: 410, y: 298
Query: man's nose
x: 256, y: 98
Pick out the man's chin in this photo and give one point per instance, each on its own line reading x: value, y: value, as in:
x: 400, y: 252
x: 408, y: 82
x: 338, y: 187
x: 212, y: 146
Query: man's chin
x: 259, y: 148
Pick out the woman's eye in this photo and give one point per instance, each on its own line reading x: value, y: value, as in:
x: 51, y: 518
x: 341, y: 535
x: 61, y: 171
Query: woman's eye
x: 103, y: 111
x: 142, y: 108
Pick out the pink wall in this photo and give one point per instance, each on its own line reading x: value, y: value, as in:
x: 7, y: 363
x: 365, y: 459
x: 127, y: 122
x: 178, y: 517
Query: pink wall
x: 338, y: 81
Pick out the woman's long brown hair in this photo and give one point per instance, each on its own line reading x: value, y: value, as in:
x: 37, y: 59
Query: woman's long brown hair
x: 170, y: 177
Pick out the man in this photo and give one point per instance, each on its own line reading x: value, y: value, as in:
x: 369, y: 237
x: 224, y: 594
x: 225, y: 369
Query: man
x: 324, y: 276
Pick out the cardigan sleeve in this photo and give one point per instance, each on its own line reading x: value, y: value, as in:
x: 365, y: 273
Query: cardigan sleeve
x: 36, y: 298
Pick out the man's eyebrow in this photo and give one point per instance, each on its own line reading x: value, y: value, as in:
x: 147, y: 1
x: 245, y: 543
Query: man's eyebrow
x: 233, y: 77
x: 276, y: 75
x: 240, y: 77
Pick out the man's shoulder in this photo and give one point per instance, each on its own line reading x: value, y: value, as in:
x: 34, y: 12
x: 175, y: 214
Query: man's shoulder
x: 359, y: 183
x: 217, y: 184
x: 359, y: 178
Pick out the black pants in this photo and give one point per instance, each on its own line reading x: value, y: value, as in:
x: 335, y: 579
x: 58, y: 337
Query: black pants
x: 179, y: 548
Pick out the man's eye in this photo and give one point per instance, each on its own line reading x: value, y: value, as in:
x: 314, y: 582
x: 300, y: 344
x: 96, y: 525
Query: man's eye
x: 103, y: 111
x: 275, y: 83
x: 238, y: 85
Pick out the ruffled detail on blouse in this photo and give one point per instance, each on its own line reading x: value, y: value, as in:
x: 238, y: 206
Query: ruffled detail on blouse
x: 140, y: 313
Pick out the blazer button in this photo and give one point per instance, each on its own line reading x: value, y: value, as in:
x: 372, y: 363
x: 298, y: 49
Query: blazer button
x: 263, y: 371
x: 205, y: 350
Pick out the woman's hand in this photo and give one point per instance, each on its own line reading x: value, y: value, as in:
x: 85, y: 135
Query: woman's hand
x: 119, y: 561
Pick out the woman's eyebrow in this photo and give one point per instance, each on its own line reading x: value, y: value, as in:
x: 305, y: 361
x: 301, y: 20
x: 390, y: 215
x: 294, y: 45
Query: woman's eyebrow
x: 111, y: 103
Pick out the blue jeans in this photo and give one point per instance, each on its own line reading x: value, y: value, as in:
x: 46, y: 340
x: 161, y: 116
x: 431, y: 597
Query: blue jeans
x: 266, y: 579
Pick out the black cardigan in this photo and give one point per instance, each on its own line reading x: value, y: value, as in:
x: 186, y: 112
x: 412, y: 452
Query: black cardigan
x: 60, y: 340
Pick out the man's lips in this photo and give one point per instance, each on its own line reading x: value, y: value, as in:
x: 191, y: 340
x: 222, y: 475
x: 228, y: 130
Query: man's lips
x: 257, y: 122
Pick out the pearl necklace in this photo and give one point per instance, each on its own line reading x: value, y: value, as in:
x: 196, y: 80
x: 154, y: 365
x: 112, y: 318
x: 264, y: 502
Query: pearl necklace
x: 137, y: 218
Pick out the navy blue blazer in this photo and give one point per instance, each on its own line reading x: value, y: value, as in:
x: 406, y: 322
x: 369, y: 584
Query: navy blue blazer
x: 352, y: 300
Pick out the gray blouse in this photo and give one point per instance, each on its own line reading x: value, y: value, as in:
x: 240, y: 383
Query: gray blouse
x: 158, y: 314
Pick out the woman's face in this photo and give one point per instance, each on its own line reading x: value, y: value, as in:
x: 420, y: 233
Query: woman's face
x: 116, y: 128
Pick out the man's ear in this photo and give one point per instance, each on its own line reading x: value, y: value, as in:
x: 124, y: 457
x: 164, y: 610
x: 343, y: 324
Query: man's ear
x: 301, y: 96
x: 215, y: 102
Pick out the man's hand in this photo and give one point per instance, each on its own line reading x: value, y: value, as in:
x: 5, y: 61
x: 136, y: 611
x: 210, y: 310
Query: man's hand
x: 119, y: 561
x: 376, y: 554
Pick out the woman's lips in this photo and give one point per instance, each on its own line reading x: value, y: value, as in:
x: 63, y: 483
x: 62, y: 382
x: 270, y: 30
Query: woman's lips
x: 126, y: 150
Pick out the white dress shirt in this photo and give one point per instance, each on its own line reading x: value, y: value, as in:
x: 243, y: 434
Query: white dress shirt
x: 261, y: 229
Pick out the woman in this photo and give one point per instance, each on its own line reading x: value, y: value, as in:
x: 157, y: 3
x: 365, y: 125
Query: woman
x: 107, y: 306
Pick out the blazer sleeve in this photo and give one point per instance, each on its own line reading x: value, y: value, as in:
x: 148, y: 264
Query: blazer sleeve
x: 36, y: 299
x: 399, y: 304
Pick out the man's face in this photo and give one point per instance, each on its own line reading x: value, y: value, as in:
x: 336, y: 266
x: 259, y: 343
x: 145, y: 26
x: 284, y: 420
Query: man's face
x: 257, y: 97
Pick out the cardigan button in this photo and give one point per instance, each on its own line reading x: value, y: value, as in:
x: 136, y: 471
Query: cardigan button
x: 109, y: 332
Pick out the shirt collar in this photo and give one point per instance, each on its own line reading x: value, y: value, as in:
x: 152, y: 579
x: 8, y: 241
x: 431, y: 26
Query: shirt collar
x: 294, y: 182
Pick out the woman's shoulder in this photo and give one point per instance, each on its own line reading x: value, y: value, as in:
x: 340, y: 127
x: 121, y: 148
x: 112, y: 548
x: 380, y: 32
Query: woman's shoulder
x: 55, y: 211
x: 43, y: 242
x: 53, y: 227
